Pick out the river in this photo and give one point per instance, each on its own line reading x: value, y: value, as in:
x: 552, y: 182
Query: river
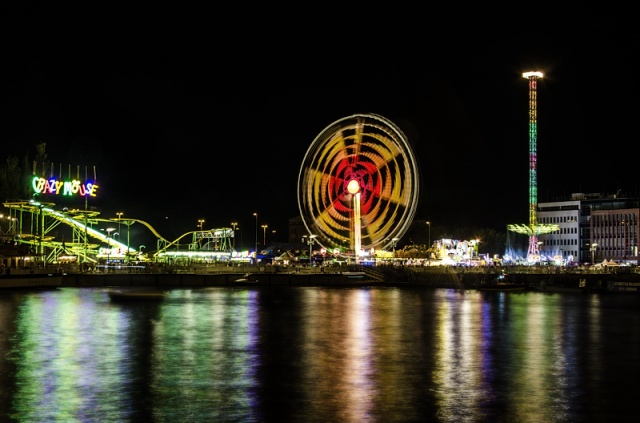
x: 318, y: 354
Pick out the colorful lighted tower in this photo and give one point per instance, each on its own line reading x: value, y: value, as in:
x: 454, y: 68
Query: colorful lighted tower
x: 533, y: 160
x: 533, y: 229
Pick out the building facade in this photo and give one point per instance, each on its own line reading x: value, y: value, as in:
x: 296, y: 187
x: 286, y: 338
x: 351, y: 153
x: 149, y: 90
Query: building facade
x: 297, y: 230
x: 592, y: 228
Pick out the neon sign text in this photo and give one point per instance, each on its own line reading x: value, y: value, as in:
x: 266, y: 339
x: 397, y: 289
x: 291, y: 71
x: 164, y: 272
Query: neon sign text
x: 53, y: 186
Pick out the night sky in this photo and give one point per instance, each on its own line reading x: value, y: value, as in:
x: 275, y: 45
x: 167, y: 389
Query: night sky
x: 197, y: 121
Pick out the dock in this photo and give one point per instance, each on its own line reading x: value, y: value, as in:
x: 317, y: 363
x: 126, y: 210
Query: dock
x: 348, y: 276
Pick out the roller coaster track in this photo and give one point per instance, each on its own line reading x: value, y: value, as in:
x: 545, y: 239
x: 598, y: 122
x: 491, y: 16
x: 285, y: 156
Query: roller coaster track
x: 202, y: 241
x: 82, y: 222
x: 176, y: 241
x: 129, y: 221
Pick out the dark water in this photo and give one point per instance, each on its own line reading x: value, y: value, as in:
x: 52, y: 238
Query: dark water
x: 319, y: 355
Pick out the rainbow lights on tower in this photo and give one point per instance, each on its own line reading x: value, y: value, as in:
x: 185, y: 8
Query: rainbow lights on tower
x: 533, y: 159
x: 533, y: 229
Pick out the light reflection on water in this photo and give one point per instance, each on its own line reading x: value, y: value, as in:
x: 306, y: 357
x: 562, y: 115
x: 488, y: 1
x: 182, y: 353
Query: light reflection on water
x: 319, y: 354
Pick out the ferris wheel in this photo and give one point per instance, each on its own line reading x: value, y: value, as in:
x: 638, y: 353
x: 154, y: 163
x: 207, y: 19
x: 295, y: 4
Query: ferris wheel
x: 358, y: 184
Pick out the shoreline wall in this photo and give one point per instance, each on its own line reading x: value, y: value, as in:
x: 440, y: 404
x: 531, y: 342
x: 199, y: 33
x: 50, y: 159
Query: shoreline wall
x: 392, y: 277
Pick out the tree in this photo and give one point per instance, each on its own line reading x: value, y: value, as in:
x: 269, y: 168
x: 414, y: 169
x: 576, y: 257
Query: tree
x: 10, y: 178
x: 15, y: 176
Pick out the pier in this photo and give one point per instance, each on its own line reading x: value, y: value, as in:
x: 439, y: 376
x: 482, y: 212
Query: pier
x: 546, y: 279
x: 419, y: 277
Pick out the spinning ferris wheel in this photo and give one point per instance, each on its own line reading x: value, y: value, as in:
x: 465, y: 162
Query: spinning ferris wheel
x: 358, y: 185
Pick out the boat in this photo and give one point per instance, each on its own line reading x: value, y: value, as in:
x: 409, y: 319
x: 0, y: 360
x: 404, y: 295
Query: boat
x: 15, y: 272
x: 355, y: 275
x: 136, y: 294
x: 30, y: 278
x: 500, y: 283
x: 553, y: 285
x: 624, y: 287
x: 245, y: 280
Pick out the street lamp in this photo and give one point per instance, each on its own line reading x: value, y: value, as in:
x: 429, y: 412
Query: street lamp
x: 109, y: 230
x: 256, y: 251
x: 128, y: 223
x: 119, y: 214
x: 394, y: 241
x: 264, y: 234
x: 41, y: 231
x: 429, y: 225
x: 593, y: 251
x: 140, y: 251
x: 200, y: 223
x: 234, y: 225
x: 310, y: 240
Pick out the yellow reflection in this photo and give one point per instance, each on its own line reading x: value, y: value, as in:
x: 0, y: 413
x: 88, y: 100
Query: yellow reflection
x: 458, y: 351
x: 337, y: 360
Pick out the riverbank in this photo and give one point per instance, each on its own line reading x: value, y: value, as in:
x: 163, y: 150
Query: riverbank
x: 420, y: 277
x: 358, y: 276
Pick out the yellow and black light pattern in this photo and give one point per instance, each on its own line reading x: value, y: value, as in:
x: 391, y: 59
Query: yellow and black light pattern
x: 372, y: 151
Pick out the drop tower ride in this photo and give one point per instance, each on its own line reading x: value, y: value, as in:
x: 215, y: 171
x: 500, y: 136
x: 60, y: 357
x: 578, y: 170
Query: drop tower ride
x: 533, y: 229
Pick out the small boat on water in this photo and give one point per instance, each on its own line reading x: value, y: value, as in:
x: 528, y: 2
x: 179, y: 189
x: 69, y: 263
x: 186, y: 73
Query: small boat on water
x: 355, y: 275
x: 136, y: 294
x: 500, y: 283
x: 15, y: 273
x: 624, y: 287
x: 30, y: 280
x: 245, y: 280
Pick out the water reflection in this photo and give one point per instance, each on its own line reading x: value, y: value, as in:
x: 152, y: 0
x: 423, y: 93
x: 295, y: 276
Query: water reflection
x: 61, y: 373
x: 205, y: 356
x: 318, y: 354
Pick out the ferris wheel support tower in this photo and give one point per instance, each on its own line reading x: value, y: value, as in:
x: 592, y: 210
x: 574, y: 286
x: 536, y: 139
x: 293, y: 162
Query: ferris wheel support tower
x: 353, y: 187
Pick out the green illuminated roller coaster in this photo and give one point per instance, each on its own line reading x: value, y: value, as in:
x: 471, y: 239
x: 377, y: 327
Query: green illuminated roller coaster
x: 33, y: 223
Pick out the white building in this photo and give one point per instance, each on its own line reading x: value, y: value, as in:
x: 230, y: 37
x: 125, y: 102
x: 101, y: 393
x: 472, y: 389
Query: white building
x: 593, y: 227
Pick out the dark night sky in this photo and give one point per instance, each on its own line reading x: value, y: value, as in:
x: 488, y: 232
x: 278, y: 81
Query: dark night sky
x: 211, y: 118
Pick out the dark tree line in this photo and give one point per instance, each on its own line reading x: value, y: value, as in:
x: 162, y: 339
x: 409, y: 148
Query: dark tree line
x: 16, y: 173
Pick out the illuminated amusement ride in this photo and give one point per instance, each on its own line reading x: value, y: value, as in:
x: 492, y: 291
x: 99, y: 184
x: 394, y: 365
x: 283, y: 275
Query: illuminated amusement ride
x: 357, y: 193
x: 358, y: 186
x: 534, y: 228
x: 30, y: 232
